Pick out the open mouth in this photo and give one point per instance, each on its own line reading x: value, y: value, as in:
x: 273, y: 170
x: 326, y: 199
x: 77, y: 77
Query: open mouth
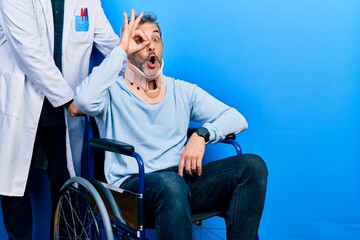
x: 152, y: 61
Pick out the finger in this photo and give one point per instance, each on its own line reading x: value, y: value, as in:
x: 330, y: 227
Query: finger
x: 142, y: 35
x: 132, y: 15
x: 199, y: 166
x: 126, y: 23
x: 137, y: 20
x: 142, y: 45
x: 193, y: 166
x: 188, y: 167
x: 132, y: 18
x: 181, y: 167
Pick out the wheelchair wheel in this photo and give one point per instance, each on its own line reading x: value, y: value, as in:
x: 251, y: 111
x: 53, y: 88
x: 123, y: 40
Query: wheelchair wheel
x: 80, y: 213
x: 204, y: 233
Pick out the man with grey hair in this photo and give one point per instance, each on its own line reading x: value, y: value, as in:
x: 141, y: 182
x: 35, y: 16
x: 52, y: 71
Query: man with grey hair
x: 133, y: 101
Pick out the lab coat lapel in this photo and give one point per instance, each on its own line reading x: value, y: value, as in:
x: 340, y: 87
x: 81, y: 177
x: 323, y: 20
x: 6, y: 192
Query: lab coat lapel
x: 49, y: 21
x: 70, y: 7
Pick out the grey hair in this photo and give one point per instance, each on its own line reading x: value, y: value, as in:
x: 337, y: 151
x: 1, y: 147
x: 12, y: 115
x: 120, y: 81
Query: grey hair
x: 148, y: 17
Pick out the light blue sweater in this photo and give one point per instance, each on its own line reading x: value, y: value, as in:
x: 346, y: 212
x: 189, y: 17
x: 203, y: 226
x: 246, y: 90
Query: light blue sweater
x: 157, y: 131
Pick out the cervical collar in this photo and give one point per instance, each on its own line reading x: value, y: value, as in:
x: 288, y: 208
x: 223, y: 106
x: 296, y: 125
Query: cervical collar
x: 139, y: 84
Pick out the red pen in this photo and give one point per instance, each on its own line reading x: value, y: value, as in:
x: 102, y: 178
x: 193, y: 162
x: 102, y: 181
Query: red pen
x: 82, y: 14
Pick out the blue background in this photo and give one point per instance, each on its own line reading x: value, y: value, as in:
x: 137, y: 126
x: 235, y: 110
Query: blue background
x: 292, y: 68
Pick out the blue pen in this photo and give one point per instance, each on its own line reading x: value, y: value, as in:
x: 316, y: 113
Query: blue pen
x: 86, y: 14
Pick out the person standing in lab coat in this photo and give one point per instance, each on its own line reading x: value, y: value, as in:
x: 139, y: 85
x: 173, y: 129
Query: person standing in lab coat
x: 45, y: 48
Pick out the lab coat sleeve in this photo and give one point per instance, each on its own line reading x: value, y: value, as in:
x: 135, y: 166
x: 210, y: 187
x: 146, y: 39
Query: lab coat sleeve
x: 31, y: 52
x: 105, y: 39
x: 92, y: 95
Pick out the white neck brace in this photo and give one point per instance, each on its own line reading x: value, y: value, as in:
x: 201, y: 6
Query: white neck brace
x: 139, y: 84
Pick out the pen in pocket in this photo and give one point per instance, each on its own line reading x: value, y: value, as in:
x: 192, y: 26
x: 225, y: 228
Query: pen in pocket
x: 84, y: 14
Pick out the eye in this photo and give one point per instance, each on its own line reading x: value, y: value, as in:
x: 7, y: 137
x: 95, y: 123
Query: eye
x: 156, y: 39
x: 138, y: 39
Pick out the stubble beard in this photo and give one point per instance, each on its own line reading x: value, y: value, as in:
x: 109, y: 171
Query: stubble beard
x: 142, y: 67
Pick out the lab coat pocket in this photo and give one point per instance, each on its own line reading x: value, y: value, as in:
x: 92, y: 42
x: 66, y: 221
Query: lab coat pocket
x: 81, y: 23
x: 11, y: 90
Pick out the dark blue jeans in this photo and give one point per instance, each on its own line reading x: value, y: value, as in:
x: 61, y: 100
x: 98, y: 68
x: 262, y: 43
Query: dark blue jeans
x: 237, y: 184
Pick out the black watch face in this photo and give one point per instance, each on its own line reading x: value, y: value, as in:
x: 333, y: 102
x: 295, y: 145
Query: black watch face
x: 203, y: 132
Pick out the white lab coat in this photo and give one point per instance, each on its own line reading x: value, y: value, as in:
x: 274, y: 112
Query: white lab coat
x: 28, y: 73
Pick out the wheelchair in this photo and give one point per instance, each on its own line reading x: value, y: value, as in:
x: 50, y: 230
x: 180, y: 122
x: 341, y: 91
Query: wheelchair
x: 89, y: 208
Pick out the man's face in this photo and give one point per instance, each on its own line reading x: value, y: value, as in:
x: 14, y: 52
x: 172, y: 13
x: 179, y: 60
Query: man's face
x: 148, y: 60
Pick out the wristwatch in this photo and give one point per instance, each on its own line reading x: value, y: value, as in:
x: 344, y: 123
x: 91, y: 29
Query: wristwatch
x: 203, y: 132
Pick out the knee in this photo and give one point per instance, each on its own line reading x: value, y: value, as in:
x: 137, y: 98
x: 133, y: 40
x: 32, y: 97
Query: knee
x: 257, y: 167
x: 258, y: 164
x: 170, y: 189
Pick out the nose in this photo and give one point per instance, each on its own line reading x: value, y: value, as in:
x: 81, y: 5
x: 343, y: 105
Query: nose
x: 151, y: 47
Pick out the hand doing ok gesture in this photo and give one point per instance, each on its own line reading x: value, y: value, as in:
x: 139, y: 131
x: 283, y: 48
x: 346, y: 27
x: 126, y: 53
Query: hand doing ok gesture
x: 132, y: 40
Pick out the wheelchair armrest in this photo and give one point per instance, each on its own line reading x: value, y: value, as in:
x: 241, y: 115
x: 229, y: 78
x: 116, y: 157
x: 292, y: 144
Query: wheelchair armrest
x: 112, y: 146
x: 229, y: 136
x: 125, y: 149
